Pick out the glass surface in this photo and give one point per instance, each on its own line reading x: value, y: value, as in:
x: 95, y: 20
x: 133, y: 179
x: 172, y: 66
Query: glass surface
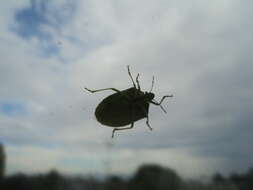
x: 54, y: 133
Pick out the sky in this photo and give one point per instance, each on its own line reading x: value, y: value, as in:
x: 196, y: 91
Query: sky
x: 200, y: 51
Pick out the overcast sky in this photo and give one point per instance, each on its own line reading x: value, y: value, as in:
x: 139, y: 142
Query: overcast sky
x: 200, y: 51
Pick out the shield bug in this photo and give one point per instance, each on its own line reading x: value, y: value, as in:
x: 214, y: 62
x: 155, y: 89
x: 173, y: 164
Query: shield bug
x: 127, y: 106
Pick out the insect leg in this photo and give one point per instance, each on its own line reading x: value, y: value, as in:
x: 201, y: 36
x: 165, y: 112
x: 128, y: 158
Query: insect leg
x: 147, y: 121
x: 99, y: 90
x: 119, y: 128
x: 114, y: 89
x: 129, y: 73
x: 153, y: 80
x: 137, y: 81
x: 146, y: 113
x: 159, y: 104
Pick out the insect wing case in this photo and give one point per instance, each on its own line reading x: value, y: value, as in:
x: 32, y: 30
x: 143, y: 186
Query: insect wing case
x: 120, y: 109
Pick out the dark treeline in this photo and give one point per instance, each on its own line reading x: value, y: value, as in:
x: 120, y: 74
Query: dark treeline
x: 147, y: 177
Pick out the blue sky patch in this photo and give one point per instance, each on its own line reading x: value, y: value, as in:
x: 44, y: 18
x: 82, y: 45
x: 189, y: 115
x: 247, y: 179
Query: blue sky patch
x: 12, y: 109
x: 30, y: 19
x: 29, y: 23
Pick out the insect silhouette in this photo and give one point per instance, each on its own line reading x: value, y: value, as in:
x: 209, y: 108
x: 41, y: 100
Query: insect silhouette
x: 127, y: 106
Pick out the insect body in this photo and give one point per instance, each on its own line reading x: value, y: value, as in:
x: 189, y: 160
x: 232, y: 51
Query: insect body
x: 125, y: 107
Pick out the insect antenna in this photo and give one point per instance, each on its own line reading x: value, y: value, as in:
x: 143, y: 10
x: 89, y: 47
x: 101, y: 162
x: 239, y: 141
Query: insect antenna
x: 129, y: 73
x: 153, y: 80
x: 137, y: 81
x: 160, y: 106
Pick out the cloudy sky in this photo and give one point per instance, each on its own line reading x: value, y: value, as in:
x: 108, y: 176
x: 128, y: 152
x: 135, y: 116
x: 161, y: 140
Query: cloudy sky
x: 200, y: 51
